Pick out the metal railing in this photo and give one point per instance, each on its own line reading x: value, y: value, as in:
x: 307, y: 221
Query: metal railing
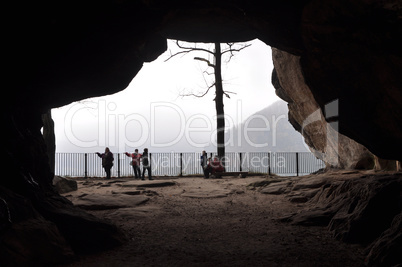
x: 184, y: 164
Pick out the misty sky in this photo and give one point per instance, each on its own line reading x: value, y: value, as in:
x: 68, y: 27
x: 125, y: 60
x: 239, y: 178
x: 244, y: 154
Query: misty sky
x: 151, y: 113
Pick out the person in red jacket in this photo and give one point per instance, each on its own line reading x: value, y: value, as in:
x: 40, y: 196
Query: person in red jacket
x: 135, y: 163
x: 214, y: 166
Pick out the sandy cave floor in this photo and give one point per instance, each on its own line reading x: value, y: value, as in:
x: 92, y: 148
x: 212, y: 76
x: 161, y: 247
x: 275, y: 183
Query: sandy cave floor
x: 205, y: 222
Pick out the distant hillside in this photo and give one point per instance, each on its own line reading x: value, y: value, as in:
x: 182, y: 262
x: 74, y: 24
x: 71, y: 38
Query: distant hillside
x: 266, y: 130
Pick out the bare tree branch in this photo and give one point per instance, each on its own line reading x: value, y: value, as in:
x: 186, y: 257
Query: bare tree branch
x: 232, y: 50
x: 227, y: 93
x: 230, y: 92
x: 205, y: 60
x: 208, y: 73
x: 198, y: 95
x: 178, y: 53
x: 193, y: 48
x: 187, y: 50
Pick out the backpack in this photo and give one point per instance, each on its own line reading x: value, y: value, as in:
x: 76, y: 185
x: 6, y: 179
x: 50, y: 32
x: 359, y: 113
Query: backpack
x: 145, y: 161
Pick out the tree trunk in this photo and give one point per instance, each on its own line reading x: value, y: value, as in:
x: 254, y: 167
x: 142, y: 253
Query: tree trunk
x: 220, y: 121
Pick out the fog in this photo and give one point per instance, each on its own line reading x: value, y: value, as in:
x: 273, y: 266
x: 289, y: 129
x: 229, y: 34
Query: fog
x: 151, y: 113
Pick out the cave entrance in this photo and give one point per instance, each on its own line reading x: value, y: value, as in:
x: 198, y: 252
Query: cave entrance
x: 151, y: 112
x: 60, y: 53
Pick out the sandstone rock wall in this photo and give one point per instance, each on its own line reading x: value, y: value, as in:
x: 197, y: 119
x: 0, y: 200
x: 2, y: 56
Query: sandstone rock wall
x: 37, y: 225
x: 335, y: 149
x: 352, y: 53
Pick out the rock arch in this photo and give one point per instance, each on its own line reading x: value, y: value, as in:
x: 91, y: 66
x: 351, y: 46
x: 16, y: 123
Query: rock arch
x: 59, y: 52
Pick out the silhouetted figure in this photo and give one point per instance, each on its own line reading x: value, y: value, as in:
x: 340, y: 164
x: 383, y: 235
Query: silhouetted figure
x: 107, y: 161
x: 146, y: 164
x: 135, y: 163
x: 204, y: 164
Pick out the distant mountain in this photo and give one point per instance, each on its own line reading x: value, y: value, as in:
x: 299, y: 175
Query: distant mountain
x: 266, y: 130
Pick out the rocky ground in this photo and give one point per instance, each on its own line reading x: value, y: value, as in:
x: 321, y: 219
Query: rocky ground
x: 256, y: 221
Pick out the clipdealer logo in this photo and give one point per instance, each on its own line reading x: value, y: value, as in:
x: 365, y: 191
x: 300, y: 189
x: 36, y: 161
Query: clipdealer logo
x: 114, y: 129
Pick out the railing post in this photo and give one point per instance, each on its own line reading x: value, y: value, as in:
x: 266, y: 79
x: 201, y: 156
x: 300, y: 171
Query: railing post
x: 297, y: 164
x: 181, y: 164
x: 269, y: 163
x: 240, y: 157
x: 86, y: 165
x: 118, y: 165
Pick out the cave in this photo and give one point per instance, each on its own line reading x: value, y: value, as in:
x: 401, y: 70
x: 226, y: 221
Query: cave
x: 323, y: 51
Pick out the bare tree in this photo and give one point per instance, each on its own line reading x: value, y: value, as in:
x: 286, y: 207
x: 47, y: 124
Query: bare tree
x: 217, y: 54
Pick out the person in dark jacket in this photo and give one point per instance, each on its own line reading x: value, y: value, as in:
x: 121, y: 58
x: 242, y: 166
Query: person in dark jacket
x: 107, y: 161
x: 204, y: 164
x: 146, y: 164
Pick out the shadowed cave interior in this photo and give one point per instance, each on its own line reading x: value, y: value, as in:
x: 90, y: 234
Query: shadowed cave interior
x: 348, y: 51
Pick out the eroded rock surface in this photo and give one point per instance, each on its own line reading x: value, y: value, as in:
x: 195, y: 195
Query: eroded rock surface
x: 64, y: 185
x: 116, y: 194
x: 104, y: 202
x: 199, y: 193
x: 335, y: 149
x: 356, y: 207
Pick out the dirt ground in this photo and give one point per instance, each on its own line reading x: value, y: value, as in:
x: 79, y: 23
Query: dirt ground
x: 208, y: 222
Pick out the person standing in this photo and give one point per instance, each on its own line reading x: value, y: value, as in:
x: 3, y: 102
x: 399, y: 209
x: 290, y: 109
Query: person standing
x: 135, y: 163
x: 107, y: 161
x: 146, y: 164
x: 204, y: 164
